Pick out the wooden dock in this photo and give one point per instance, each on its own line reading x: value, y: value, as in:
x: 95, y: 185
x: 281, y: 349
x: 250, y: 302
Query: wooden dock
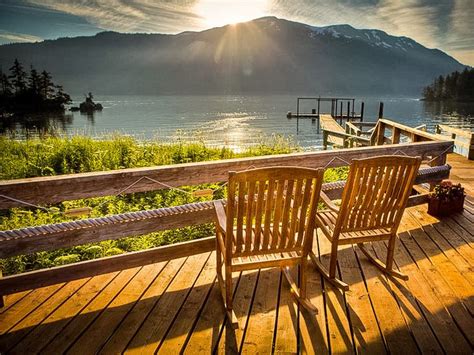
x: 328, y: 123
x: 175, y: 305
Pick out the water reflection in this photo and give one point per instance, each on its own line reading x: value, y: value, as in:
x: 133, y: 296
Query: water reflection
x: 27, y: 124
x: 449, y: 108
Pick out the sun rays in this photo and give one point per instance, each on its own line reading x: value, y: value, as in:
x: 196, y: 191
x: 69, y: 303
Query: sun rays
x: 222, y: 12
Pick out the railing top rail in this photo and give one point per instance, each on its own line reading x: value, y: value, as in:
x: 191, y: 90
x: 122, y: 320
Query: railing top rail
x: 408, y: 129
x: 458, y: 131
x: 53, y: 189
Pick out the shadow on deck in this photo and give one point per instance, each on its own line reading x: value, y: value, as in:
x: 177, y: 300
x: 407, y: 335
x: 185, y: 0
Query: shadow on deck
x: 176, y: 305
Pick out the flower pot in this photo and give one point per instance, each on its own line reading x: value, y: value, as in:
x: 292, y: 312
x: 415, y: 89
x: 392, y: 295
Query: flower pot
x: 440, y: 208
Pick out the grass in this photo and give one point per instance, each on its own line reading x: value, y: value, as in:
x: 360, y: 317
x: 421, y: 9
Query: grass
x: 55, y: 155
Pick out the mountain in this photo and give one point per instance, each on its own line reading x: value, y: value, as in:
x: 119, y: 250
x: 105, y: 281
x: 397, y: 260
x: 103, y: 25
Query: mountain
x: 266, y: 55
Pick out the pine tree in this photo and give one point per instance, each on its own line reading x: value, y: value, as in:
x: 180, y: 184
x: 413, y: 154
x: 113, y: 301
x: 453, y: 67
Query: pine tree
x: 18, y: 76
x: 5, y: 85
x: 61, y: 97
x: 46, y: 85
x: 34, y: 81
x: 456, y: 86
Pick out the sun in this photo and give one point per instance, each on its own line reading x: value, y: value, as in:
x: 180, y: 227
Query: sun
x: 222, y: 12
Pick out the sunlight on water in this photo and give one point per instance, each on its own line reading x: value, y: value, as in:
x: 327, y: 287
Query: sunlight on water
x: 232, y: 121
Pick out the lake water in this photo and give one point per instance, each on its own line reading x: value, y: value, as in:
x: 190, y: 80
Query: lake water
x: 233, y: 121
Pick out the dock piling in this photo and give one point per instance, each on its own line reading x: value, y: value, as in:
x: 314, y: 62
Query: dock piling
x: 381, y: 110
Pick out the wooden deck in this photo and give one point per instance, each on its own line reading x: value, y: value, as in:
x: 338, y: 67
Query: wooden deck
x: 176, y: 305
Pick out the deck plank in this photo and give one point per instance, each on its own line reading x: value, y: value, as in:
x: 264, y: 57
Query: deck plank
x: 364, y: 324
x: 412, y: 312
x: 87, y: 315
x: 340, y: 332
x: 26, y: 325
x: 187, y: 317
x: 455, y: 248
x: 313, y: 329
x: 103, y: 326
x: 230, y: 341
x: 117, y: 343
x: 433, y: 309
x: 10, y: 300
x: 392, y: 323
x: 207, y: 331
x: 261, y: 324
x: 435, y: 278
x: 58, y: 320
x: 286, y: 337
x: 25, y: 306
x: 154, y: 328
x: 457, y: 281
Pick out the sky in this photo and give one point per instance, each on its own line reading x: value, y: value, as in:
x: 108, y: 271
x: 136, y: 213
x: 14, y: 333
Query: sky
x: 444, y: 24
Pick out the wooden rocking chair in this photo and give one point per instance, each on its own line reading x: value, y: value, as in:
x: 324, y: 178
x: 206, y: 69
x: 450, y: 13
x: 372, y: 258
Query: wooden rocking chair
x: 268, y: 222
x: 372, y: 205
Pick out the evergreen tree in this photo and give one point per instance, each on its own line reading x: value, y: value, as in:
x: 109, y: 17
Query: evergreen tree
x: 18, y: 76
x: 61, y: 97
x: 456, y: 86
x: 46, y: 85
x: 5, y: 85
x: 34, y: 81
x: 36, y: 92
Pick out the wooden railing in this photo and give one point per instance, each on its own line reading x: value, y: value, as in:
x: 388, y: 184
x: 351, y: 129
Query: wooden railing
x: 45, y: 190
x: 463, y: 139
x: 398, y: 130
x: 357, y: 134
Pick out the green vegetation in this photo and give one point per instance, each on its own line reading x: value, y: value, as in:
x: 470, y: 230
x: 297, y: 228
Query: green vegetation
x: 455, y: 87
x: 61, y: 155
x: 34, y: 92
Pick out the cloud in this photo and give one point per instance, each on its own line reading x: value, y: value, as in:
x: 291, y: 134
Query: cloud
x: 444, y: 24
x: 9, y: 37
x: 131, y: 16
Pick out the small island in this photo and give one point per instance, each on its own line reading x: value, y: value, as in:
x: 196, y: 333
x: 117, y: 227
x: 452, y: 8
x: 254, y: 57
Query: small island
x: 33, y: 92
x: 456, y: 86
x: 87, y: 106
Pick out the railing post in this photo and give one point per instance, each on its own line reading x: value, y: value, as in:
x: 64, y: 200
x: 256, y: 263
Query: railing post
x: 340, y: 119
x: 325, y: 139
x: 395, y: 135
x: 441, y: 160
x: 380, y: 133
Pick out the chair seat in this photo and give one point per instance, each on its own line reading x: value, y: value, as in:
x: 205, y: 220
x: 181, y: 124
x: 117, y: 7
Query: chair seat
x: 270, y: 259
x: 326, y: 220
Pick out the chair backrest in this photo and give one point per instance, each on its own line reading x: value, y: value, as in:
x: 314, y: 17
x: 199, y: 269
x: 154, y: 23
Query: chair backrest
x: 272, y: 209
x: 376, y: 193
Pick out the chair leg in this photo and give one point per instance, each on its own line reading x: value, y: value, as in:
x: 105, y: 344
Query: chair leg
x: 299, y: 293
x: 333, y: 261
x: 330, y: 275
x: 226, y: 288
x: 228, y: 298
x: 323, y: 271
x: 388, y: 267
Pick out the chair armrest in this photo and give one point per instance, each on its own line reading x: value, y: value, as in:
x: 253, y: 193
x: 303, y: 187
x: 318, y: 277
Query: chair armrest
x: 327, y: 201
x: 221, y: 217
